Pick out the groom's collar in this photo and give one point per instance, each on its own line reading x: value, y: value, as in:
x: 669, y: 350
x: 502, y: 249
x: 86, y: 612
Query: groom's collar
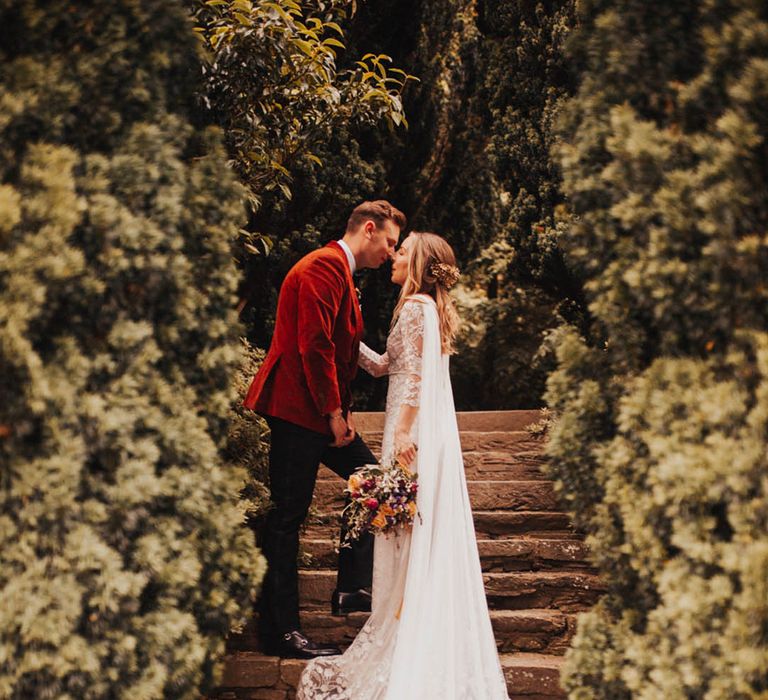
x: 350, y: 257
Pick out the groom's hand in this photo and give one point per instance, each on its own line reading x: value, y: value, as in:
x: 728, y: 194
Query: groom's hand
x: 340, y: 430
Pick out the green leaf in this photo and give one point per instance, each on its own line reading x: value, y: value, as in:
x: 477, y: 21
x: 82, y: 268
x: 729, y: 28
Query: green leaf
x: 280, y: 11
x: 306, y: 47
x: 294, y: 7
x: 281, y: 168
x: 334, y: 42
x: 335, y: 27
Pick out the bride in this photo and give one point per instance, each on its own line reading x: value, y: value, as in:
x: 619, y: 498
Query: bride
x: 429, y: 635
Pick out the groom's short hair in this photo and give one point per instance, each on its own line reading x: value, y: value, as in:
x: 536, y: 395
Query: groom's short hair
x: 378, y: 211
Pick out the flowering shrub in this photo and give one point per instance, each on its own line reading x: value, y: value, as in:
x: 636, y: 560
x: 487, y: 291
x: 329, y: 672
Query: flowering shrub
x: 662, y: 407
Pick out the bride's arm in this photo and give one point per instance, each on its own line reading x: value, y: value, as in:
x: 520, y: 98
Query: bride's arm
x: 373, y: 363
x: 412, y: 320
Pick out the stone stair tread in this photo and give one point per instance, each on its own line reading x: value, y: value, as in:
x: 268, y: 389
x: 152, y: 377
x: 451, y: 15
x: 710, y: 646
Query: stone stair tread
x: 517, y: 521
x: 467, y: 420
x: 577, y: 575
x: 508, y: 554
x: 484, y: 494
x: 515, y: 454
x: 566, y: 590
x: 477, y: 467
x: 331, y: 530
x: 531, y: 629
x: 529, y: 660
x: 494, y: 448
x: 489, y: 434
x: 486, y: 516
x: 531, y: 675
x: 529, y: 618
x: 527, y: 674
x: 520, y: 482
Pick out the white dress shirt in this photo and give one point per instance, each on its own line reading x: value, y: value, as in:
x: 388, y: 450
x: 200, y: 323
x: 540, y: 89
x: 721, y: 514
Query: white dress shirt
x: 350, y: 257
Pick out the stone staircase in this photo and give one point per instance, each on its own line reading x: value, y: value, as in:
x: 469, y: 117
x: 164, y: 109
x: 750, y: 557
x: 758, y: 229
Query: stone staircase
x: 537, y: 577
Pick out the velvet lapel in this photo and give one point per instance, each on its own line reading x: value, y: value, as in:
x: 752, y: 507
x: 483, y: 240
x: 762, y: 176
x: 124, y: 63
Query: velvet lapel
x: 358, y: 316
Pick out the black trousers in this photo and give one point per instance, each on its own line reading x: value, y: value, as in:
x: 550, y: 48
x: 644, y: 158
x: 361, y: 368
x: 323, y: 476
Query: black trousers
x: 294, y: 457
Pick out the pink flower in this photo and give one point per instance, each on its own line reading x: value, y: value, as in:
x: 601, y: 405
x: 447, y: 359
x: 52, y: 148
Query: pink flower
x: 371, y: 503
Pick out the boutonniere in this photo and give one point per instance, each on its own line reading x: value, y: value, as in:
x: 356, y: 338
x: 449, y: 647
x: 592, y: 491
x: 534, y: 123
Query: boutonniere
x: 359, y: 295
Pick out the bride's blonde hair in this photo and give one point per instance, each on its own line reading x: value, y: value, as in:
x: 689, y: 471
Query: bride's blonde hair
x: 432, y: 270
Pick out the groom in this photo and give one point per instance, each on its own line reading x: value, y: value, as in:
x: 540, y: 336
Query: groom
x: 303, y: 391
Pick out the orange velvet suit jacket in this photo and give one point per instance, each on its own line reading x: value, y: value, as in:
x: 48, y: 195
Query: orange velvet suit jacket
x: 313, y: 355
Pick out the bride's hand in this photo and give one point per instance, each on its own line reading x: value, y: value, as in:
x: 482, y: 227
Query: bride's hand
x: 405, y: 449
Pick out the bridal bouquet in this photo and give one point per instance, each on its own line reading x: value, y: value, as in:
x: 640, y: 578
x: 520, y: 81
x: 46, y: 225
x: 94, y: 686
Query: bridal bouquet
x: 382, y: 498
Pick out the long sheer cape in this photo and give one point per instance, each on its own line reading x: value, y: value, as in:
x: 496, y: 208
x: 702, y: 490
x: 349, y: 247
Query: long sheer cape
x: 430, y: 634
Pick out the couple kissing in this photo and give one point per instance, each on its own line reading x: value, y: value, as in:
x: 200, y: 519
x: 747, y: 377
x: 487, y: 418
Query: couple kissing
x: 429, y: 633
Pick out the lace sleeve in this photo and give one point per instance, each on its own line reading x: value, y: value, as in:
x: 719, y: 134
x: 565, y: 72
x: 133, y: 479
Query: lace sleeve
x: 412, y: 328
x: 376, y: 365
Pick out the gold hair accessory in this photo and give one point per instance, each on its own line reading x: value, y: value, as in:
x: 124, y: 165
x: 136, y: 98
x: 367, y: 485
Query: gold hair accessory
x: 446, y: 274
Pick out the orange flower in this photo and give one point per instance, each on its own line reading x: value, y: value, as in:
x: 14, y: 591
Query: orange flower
x: 354, y: 482
x: 380, y: 520
x: 386, y: 509
x: 412, y: 509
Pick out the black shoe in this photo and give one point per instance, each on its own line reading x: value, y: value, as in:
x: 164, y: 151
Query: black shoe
x: 343, y: 602
x: 294, y: 645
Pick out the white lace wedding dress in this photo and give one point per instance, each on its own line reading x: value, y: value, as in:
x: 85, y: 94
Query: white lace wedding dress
x: 429, y: 636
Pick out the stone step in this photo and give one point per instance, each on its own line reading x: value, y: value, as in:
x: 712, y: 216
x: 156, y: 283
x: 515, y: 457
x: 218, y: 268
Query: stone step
x: 515, y: 442
x: 533, y: 630
x: 532, y: 676
x: 488, y: 524
x: 541, y: 631
x: 494, y: 524
x: 567, y: 591
x: 510, y: 554
x: 257, y: 677
x: 482, y: 465
x: 483, y: 495
x: 468, y: 420
x: 493, y: 464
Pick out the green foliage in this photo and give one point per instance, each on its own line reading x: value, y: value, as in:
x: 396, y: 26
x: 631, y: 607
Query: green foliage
x: 289, y: 96
x: 457, y: 170
x: 123, y: 557
x: 660, y: 442
x: 685, y: 478
x: 246, y: 438
x: 510, y: 208
x: 273, y: 84
x: 500, y: 343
